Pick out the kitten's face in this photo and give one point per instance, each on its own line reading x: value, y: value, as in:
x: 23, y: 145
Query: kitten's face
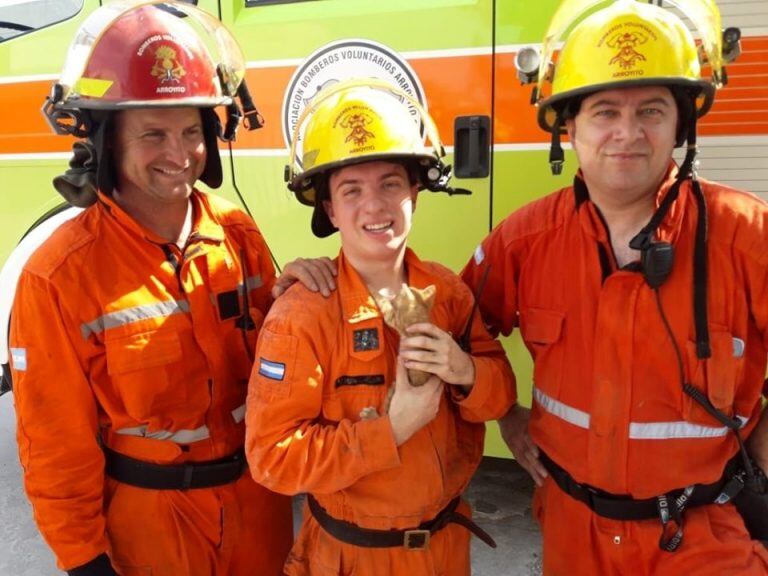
x: 409, y: 306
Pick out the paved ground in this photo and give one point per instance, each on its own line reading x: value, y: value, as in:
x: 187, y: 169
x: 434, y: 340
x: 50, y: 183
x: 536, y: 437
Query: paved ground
x: 500, y: 495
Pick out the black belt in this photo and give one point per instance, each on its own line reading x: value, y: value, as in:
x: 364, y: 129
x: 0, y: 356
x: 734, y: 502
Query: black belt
x: 624, y: 507
x: 174, y: 476
x: 413, y: 539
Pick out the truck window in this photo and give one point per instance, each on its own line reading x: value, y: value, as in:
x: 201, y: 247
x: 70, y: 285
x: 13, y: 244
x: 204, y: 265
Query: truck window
x: 19, y: 17
x: 252, y: 3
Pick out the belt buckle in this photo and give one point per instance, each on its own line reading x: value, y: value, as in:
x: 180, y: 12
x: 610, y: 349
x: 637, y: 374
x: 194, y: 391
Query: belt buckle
x: 416, y: 539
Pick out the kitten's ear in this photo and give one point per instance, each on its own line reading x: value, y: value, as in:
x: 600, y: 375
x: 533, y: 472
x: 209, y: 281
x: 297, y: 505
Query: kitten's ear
x: 384, y: 302
x: 404, y: 296
x: 426, y: 295
x: 385, y: 306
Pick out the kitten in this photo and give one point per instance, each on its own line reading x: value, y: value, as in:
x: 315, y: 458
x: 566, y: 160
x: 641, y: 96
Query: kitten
x: 409, y: 306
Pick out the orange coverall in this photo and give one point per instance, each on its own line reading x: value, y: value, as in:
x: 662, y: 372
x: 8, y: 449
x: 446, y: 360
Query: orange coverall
x: 325, y: 360
x: 608, y: 404
x: 121, y: 338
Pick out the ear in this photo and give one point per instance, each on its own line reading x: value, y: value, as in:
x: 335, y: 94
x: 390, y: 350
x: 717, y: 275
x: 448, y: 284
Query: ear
x: 404, y: 295
x: 570, y: 127
x: 426, y: 295
x: 384, y: 301
x: 414, y: 196
x: 328, y: 207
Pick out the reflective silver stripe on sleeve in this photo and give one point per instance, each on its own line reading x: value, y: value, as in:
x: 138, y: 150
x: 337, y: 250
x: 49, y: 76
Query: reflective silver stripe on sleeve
x: 134, y: 314
x: 562, y: 411
x: 193, y: 252
x: 239, y: 413
x: 179, y: 437
x: 252, y: 282
x: 675, y: 430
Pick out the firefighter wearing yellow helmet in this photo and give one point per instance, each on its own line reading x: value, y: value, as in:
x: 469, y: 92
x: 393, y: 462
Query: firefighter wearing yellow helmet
x: 628, y: 44
x: 641, y: 291
x: 360, y: 121
x: 320, y: 419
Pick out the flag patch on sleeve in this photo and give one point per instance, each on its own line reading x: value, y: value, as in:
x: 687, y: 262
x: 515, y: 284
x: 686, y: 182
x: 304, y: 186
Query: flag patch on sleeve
x: 272, y: 370
x: 19, y: 358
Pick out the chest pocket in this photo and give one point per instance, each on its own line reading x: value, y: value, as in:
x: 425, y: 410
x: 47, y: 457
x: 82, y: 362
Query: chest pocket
x: 363, y: 376
x: 542, y: 331
x: 718, y: 376
x: 141, y: 367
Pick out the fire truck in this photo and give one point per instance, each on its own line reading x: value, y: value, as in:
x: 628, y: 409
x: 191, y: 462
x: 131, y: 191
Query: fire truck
x: 456, y: 57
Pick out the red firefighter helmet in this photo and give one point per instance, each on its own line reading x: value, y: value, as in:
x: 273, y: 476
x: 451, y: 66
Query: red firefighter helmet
x: 146, y: 54
x: 149, y: 53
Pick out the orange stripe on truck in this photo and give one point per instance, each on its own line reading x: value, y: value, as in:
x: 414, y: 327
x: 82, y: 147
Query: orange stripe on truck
x: 24, y: 129
x: 455, y: 85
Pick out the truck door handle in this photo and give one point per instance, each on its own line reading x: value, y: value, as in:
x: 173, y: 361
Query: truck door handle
x: 471, y: 152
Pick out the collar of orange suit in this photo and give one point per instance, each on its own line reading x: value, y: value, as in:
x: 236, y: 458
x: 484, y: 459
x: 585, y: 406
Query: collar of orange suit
x: 356, y: 302
x: 204, y: 225
x: 592, y: 221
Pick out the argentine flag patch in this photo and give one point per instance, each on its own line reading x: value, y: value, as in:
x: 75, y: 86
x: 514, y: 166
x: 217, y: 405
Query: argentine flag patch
x: 19, y: 358
x: 272, y: 370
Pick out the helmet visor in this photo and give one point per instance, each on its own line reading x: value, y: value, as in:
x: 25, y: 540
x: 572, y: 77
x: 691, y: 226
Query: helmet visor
x: 100, y: 70
x: 703, y: 14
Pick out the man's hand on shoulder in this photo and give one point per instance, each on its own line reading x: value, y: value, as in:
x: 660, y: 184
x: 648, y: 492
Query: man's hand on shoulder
x: 316, y: 274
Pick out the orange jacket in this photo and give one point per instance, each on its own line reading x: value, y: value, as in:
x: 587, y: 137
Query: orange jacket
x: 121, y: 338
x: 608, y: 401
x: 320, y: 361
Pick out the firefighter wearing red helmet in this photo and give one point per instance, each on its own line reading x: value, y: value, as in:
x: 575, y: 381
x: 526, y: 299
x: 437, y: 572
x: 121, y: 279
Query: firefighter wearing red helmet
x: 134, y: 325
x: 641, y: 292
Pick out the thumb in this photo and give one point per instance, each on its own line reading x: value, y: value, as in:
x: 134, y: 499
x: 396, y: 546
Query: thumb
x: 401, y: 375
x: 435, y: 384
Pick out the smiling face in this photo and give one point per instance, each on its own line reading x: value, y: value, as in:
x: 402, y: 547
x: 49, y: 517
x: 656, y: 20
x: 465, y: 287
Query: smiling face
x: 159, y: 154
x: 624, y: 140
x: 372, y: 205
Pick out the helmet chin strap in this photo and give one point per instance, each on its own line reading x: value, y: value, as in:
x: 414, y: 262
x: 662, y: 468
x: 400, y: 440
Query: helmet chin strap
x: 248, y: 114
x: 556, y: 154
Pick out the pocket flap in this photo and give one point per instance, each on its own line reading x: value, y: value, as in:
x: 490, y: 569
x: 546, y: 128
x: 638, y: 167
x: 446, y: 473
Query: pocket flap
x: 141, y: 351
x: 366, y: 339
x: 540, y: 326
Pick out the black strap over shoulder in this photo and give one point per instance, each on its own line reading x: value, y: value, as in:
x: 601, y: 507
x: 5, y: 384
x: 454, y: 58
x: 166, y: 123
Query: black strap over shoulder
x: 413, y: 539
x: 174, y: 476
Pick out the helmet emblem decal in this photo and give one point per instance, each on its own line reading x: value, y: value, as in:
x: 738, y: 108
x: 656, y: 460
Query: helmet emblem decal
x: 166, y: 67
x: 625, y: 43
x: 356, y: 121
